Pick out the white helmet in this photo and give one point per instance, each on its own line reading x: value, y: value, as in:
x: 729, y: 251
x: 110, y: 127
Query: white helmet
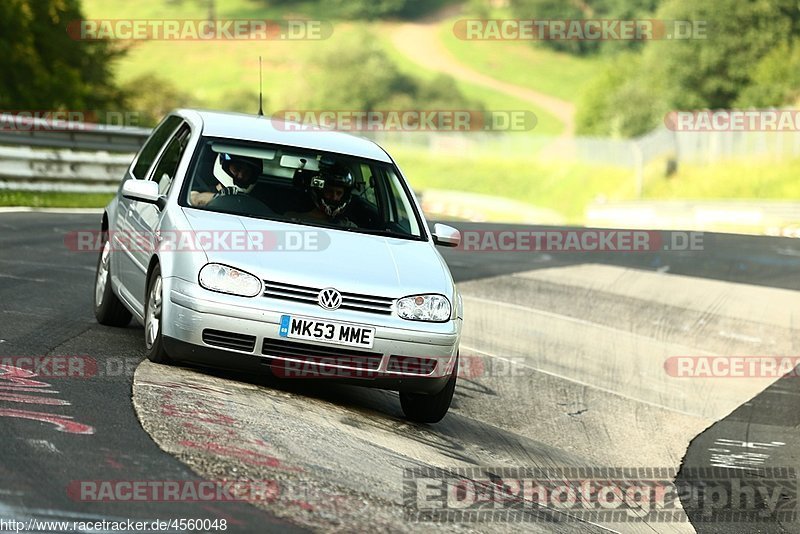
x: 232, y: 182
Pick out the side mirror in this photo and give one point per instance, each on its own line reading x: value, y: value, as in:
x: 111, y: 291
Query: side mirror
x: 143, y: 191
x: 446, y: 236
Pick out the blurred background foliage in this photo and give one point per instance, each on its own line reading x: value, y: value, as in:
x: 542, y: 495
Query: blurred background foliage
x: 329, y: 80
x: 44, y: 68
x: 750, y: 57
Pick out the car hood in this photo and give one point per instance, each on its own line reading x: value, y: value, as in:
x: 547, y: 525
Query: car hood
x: 348, y: 261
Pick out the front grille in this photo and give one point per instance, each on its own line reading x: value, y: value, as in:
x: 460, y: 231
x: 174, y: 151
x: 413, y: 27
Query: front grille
x: 229, y: 340
x: 308, y: 295
x: 411, y: 365
x: 279, y: 348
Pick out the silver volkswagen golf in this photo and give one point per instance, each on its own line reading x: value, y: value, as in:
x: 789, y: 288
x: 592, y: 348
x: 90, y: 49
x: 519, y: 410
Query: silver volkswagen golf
x: 247, y: 243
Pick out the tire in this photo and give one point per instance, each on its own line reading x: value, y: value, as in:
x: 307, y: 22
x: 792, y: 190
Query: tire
x: 424, y: 408
x: 108, y: 309
x: 153, y: 313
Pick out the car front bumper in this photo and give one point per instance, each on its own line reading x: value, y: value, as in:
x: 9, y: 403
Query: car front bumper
x: 190, y: 310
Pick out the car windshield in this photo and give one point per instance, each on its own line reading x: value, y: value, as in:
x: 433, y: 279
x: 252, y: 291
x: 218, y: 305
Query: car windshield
x: 302, y: 186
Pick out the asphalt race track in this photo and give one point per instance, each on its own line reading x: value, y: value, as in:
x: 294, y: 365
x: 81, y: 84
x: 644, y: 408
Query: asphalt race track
x: 571, y: 366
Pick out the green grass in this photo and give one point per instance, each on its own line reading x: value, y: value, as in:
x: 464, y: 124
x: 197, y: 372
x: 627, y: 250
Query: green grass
x: 212, y: 71
x: 241, y: 9
x: 493, y: 100
x: 37, y: 199
x: 538, y: 68
x: 734, y: 179
x: 208, y: 70
x: 564, y: 188
x: 233, y: 9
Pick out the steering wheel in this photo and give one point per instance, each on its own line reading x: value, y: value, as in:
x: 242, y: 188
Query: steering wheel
x: 242, y: 204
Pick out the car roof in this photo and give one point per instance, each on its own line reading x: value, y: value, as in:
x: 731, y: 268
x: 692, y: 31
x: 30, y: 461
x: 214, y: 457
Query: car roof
x: 266, y: 129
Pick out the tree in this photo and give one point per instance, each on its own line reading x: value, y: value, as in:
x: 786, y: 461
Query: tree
x: 555, y: 9
x: 746, y: 58
x: 364, y: 9
x: 353, y: 73
x: 584, y: 9
x: 711, y: 72
x: 775, y: 79
x: 368, y: 9
x: 152, y: 97
x: 620, y: 101
x: 44, y: 68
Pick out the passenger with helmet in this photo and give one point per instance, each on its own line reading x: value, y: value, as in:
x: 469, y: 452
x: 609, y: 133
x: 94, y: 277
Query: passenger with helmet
x: 235, y: 175
x: 330, y: 192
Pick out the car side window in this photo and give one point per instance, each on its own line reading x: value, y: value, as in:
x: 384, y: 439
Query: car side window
x: 167, y: 166
x: 369, y: 185
x: 153, y: 145
x: 400, y: 210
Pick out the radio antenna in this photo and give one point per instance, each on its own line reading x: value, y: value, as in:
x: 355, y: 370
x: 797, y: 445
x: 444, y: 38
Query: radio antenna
x: 260, y: 96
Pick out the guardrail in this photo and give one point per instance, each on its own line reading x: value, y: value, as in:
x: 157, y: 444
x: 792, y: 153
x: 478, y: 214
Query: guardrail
x: 28, y: 169
x: 22, y: 131
x: 44, y: 155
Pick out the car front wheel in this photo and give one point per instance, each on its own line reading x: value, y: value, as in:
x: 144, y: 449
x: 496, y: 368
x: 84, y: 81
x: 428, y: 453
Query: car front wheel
x: 108, y: 309
x: 425, y: 408
x: 153, y: 314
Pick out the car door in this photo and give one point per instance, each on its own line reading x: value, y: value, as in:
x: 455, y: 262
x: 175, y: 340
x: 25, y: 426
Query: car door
x: 122, y: 262
x: 143, y: 219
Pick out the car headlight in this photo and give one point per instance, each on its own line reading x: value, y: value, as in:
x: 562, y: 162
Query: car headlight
x: 217, y: 277
x: 435, y: 308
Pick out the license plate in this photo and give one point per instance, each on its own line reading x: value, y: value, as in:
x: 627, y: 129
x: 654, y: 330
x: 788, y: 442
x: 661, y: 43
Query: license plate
x: 351, y: 335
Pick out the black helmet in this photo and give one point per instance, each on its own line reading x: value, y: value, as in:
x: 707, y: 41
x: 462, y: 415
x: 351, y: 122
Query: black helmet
x: 332, y: 190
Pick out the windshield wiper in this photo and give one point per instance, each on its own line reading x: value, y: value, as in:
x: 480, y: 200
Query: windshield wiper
x: 386, y: 233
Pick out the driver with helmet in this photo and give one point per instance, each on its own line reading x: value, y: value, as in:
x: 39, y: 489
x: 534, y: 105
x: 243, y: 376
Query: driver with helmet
x: 235, y: 175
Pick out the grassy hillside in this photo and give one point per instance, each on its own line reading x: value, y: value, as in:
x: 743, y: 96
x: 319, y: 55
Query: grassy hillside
x: 217, y: 73
x: 155, y: 9
x: 493, y: 100
x: 210, y: 71
x: 734, y: 179
x: 537, y: 68
x: 214, y: 72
